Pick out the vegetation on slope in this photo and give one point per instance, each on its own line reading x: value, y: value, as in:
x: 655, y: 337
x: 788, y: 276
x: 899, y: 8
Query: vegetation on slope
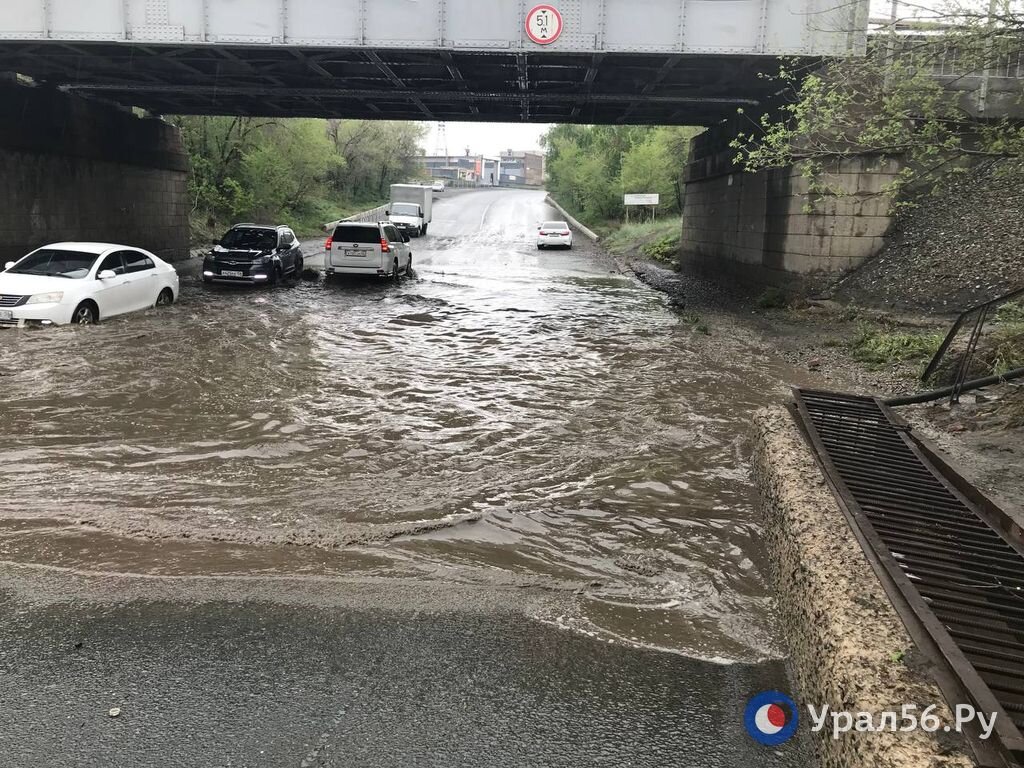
x: 658, y: 239
x: 890, y: 102
x: 591, y: 167
x: 300, y: 172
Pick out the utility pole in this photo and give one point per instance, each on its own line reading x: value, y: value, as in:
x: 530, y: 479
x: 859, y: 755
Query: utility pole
x: 890, y: 47
x: 986, y: 74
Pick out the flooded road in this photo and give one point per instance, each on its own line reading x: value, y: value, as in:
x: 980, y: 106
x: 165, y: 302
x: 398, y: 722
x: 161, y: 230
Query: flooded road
x: 505, y: 418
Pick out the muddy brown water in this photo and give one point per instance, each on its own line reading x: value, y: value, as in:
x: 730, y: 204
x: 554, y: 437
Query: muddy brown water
x: 507, y: 417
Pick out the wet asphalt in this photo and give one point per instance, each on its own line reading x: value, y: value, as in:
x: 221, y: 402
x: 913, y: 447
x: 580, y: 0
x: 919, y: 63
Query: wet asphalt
x: 251, y: 676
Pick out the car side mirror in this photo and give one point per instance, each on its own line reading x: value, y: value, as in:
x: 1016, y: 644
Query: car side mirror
x: 387, y: 213
x: 106, y: 274
x: 8, y: 265
x: 405, y: 238
x: 215, y: 242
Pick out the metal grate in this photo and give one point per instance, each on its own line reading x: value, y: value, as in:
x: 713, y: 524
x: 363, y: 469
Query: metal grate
x: 952, y: 562
x: 10, y: 300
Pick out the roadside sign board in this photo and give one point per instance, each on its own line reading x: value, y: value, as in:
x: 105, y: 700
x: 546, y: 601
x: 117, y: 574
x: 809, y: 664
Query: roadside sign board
x: 544, y: 24
x: 642, y: 199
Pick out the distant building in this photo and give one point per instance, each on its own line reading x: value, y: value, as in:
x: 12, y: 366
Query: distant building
x: 511, y: 168
x: 466, y: 168
x: 522, y: 168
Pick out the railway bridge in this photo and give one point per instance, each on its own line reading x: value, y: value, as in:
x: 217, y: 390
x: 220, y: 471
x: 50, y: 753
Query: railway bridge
x: 73, y: 159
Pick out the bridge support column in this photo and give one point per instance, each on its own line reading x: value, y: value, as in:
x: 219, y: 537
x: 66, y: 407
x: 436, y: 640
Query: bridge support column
x: 75, y: 169
x: 768, y: 227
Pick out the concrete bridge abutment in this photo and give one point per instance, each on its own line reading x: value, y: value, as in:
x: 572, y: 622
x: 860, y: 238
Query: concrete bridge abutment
x: 80, y: 169
x: 769, y: 227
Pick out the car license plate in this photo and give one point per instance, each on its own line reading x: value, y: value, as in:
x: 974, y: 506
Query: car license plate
x: 6, y: 314
x: 231, y: 273
x: 350, y: 252
x: 553, y: 234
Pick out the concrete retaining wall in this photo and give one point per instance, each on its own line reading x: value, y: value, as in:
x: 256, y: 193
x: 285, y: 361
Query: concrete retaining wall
x: 845, y: 637
x: 72, y: 169
x: 768, y: 226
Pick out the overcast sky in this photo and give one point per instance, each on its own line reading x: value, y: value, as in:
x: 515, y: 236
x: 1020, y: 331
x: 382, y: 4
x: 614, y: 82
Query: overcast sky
x: 485, y: 138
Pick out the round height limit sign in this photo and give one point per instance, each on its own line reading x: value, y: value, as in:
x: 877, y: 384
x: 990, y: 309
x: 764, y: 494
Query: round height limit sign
x: 544, y: 24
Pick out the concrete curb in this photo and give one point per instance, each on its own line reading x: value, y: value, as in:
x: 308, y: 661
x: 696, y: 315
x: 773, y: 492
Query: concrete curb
x: 587, y: 232
x: 374, y: 214
x: 849, y: 648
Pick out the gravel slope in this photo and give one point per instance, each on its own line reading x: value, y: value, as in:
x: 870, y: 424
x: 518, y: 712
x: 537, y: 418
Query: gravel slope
x: 954, y: 250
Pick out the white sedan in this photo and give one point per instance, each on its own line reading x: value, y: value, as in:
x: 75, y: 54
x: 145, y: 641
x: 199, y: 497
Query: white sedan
x: 438, y: 186
x: 82, y: 283
x: 554, y: 233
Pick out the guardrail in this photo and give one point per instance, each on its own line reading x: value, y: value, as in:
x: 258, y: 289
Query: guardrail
x: 572, y: 221
x: 374, y: 214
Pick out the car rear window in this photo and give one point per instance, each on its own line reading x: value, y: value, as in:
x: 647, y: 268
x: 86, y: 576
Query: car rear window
x: 555, y: 225
x: 355, y: 233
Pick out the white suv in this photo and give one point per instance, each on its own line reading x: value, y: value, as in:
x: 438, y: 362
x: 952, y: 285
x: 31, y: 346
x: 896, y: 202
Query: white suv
x: 357, y: 248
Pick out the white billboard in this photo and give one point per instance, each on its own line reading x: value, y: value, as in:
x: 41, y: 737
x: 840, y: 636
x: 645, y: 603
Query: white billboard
x: 642, y: 199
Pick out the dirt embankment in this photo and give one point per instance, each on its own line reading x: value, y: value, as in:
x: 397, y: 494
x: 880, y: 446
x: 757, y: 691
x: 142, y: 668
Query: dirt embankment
x: 957, y: 248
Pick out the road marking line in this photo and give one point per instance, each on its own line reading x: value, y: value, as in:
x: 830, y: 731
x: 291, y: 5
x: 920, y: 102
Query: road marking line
x: 486, y: 211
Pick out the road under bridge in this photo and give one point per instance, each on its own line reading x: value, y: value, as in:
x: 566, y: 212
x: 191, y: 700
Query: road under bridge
x: 77, y: 165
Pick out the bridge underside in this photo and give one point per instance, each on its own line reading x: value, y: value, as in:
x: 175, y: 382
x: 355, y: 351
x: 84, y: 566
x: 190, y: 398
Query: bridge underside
x: 388, y: 84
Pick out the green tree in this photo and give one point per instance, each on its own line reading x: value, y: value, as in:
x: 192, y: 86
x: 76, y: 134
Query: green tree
x: 300, y: 172
x: 289, y: 166
x: 898, y: 101
x: 589, y: 167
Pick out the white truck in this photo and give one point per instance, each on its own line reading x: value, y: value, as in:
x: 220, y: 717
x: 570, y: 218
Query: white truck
x: 411, y: 208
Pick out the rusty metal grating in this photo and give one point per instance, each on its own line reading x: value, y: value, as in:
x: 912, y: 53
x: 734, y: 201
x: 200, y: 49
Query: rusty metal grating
x: 951, y: 561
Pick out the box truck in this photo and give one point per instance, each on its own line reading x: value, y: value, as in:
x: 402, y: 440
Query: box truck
x: 411, y: 208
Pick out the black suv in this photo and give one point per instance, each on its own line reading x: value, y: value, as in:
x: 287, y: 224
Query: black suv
x: 250, y: 253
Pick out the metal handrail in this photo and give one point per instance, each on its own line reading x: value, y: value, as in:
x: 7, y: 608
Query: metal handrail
x: 983, y: 312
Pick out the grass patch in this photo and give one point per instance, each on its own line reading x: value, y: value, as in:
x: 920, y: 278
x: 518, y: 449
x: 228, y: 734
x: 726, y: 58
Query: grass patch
x: 1011, y: 312
x: 773, y: 298
x: 657, y: 239
x: 848, y: 314
x: 1007, y: 344
x: 692, y: 318
x: 878, y: 348
x: 664, y: 250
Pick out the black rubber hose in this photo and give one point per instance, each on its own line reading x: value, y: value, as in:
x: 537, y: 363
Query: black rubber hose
x: 938, y: 394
